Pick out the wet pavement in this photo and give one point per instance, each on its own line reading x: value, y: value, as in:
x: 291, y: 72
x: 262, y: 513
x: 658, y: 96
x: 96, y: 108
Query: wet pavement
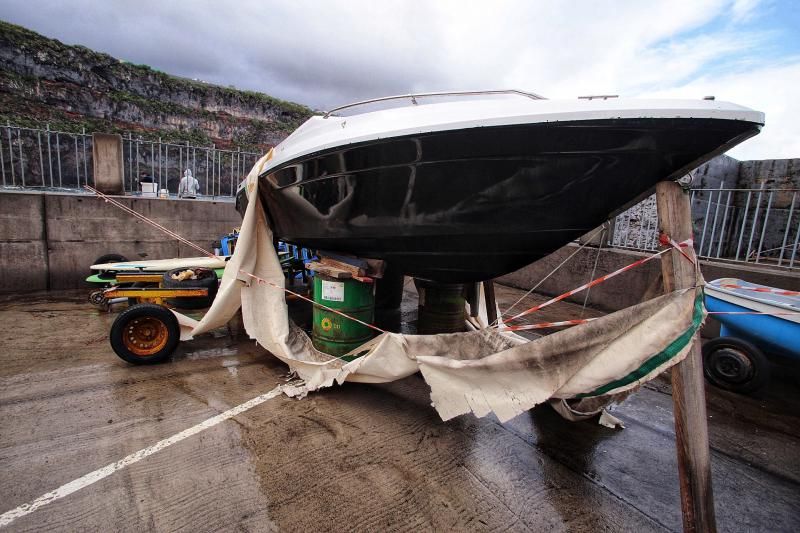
x: 355, y: 457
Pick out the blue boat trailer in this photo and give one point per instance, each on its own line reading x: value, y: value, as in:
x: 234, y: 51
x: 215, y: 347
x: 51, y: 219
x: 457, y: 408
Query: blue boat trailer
x: 759, y: 324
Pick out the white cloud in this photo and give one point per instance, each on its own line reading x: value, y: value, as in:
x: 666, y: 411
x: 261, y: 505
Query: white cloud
x: 328, y: 53
x: 744, y: 10
x: 771, y: 89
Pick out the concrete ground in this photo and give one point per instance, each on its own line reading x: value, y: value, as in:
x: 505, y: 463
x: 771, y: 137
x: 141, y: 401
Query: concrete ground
x: 354, y: 457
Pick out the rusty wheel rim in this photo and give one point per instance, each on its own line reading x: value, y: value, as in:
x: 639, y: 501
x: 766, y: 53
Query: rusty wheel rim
x: 145, y: 336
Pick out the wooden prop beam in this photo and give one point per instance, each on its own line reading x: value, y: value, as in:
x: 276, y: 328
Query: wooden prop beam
x: 491, y: 302
x: 688, y: 390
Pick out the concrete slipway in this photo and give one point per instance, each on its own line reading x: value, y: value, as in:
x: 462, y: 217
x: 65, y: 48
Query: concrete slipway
x: 355, y: 457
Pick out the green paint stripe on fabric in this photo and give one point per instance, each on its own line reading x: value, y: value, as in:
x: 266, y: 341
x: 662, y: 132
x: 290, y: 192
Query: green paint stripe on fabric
x: 660, y: 358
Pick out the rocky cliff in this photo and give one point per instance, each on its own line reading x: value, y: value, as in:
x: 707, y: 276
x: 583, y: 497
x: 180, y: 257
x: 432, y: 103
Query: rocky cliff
x: 71, y: 87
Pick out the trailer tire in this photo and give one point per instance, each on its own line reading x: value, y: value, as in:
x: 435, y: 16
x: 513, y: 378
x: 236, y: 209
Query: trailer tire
x: 110, y: 258
x: 206, y: 280
x: 145, y: 334
x: 735, y: 365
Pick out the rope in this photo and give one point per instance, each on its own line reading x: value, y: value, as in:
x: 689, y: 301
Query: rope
x: 594, y: 271
x: 779, y: 313
x: 585, y: 286
x: 207, y: 253
x: 601, y: 279
x: 564, y: 262
x: 267, y: 282
x: 151, y: 222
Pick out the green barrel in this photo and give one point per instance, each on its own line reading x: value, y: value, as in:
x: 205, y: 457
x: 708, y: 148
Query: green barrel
x: 441, y: 307
x: 332, y: 333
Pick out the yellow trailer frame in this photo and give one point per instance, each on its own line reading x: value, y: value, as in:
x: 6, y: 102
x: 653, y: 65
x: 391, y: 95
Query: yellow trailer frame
x: 155, y: 295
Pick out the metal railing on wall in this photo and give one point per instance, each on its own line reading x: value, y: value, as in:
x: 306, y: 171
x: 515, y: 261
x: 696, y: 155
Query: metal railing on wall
x: 758, y: 226
x: 219, y: 171
x: 35, y: 158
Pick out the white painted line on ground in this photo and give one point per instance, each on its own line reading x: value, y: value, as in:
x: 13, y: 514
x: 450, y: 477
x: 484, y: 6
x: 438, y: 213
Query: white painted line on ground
x: 93, y: 477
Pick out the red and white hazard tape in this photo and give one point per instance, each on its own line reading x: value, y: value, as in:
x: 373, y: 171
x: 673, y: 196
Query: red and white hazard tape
x: 545, y: 325
x: 601, y: 279
x: 666, y: 240
x: 769, y: 290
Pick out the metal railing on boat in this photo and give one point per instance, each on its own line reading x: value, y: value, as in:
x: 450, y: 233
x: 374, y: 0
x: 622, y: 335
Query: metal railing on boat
x: 413, y: 97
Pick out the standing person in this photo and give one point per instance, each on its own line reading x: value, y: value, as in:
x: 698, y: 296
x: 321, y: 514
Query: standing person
x: 189, y: 186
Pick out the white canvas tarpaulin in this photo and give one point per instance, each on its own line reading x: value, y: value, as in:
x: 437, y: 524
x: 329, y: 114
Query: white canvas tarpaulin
x: 484, y: 371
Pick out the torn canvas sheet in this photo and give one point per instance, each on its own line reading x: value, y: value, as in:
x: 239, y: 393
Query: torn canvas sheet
x: 482, y: 372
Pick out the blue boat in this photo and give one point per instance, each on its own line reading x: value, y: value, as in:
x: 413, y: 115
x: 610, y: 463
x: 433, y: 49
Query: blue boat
x: 737, y: 360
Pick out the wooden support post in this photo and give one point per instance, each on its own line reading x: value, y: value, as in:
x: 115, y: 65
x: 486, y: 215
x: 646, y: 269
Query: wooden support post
x: 491, y: 304
x: 473, y: 298
x: 688, y: 391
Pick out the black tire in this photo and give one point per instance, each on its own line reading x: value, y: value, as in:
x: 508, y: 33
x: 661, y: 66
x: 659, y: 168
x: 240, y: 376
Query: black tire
x: 110, y: 258
x: 145, y: 334
x: 207, y: 279
x: 735, y: 365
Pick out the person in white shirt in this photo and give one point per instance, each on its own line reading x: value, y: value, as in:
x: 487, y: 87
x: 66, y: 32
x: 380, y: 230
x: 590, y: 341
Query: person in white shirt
x: 189, y: 186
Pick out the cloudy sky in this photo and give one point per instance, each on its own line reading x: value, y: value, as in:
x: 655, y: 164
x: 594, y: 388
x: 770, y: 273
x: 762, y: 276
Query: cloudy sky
x: 324, y: 53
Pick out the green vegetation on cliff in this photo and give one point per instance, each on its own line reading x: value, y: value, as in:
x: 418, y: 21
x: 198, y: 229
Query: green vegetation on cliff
x: 43, y: 81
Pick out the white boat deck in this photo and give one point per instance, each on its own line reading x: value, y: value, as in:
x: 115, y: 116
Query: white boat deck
x: 745, y: 294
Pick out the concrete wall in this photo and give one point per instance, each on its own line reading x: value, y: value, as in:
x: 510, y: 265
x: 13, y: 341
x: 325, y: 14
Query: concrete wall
x: 48, y: 241
x: 722, y: 170
x: 23, y: 253
x: 630, y: 287
x: 773, y: 173
x: 107, y: 156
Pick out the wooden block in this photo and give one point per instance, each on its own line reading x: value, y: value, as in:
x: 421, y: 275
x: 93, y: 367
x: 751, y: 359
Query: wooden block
x: 328, y: 270
x: 373, y: 268
x: 344, y: 258
x: 339, y: 265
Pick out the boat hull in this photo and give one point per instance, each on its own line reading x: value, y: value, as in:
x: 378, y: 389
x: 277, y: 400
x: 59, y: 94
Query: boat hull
x: 477, y: 203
